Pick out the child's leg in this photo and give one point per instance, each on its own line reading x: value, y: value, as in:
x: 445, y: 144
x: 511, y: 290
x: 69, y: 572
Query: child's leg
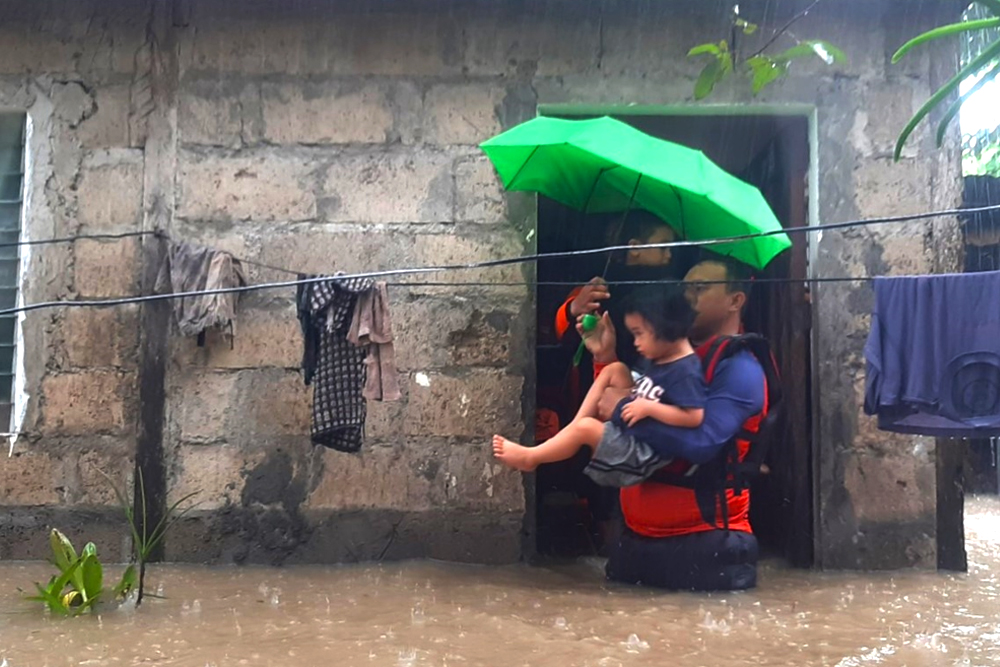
x: 614, y: 376
x: 562, y: 446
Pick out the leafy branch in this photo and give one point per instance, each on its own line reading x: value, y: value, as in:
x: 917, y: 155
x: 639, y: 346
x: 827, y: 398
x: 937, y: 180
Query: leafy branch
x: 144, y: 541
x: 760, y: 68
x: 986, y: 65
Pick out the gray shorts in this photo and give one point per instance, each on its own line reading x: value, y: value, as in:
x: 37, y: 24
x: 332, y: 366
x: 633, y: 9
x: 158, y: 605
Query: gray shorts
x: 620, y: 460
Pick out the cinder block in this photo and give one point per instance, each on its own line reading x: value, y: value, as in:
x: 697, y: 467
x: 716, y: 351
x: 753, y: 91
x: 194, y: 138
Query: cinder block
x: 325, y: 113
x: 469, y: 403
x: 263, y: 339
x: 200, y: 402
x: 101, y: 337
x: 105, y: 269
x: 33, y: 476
x: 108, y: 457
x: 434, y: 332
x: 214, y: 112
x: 87, y: 402
x: 110, y: 191
x: 108, y: 127
x: 891, y: 488
x: 462, y: 114
x: 416, y: 476
x: 479, y: 196
x: 361, y: 250
x: 270, y: 402
x: 394, y: 187
x: 265, y: 187
x: 216, y: 473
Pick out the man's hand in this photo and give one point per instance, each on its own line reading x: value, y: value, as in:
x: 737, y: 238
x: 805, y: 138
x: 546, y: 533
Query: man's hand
x: 590, y: 297
x: 636, y: 410
x: 602, y: 341
x: 609, y: 401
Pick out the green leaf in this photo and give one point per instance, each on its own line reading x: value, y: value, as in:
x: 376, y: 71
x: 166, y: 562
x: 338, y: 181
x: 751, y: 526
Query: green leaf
x: 748, y: 28
x: 712, y: 74
x: 63, y: 552
x: 52, y: 601
x: 956, y: 106
x: 944, y: 31
x: 947, y: 89
x: 66, y: 559
x: 128, y: 582
x: 992, y: 5
x: 767, y: 73
x: 93, y: 577
x: 703, y: 49
x: 170, y: 517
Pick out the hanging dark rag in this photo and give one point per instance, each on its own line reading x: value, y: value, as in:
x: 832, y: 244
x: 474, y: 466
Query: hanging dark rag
x: 331, y: 363
x: 933, y: 355
x: 191, y: 268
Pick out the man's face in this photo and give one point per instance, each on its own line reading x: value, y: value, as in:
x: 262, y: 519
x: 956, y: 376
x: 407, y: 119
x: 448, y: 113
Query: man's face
x: 652, y: 256
x: 709, y: 296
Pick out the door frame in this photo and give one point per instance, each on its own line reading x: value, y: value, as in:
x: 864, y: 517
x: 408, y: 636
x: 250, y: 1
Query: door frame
x: 811, y: 114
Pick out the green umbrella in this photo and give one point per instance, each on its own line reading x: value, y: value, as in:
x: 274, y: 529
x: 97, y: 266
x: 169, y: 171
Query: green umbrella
x: 604, y: 166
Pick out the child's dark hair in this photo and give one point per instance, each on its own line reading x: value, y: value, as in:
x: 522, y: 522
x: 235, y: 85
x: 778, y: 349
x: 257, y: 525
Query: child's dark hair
x: 666, y: 308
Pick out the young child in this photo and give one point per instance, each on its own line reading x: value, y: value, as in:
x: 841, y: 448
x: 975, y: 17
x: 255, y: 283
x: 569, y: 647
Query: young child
x: 671, y: 391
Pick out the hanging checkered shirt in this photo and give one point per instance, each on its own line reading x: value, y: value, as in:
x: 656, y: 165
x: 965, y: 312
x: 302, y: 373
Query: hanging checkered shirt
x: 331, y: 363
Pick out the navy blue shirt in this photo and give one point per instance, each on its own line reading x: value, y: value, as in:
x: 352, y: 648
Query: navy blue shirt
x: 735, y: 395
x: 933, y: 355
x: 680, y: 383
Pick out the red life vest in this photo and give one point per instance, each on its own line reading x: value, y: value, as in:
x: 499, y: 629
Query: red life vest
x: 684, y: 498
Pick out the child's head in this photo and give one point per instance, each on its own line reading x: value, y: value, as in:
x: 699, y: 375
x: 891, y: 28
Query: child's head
x: 659, y: 317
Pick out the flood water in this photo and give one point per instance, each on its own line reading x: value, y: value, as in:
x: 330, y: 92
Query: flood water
x: 411, y: 614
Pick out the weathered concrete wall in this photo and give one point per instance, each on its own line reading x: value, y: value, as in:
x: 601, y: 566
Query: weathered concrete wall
x: 318, y: 137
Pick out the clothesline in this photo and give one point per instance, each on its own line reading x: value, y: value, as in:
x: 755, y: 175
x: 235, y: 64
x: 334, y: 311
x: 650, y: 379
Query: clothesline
x: 504, y: 262
x: 79, y: 237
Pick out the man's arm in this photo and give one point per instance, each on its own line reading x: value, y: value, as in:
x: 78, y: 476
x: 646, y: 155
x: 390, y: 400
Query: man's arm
x: 735, y: 394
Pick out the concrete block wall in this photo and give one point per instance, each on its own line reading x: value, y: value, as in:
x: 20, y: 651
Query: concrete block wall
x: 321, y: 137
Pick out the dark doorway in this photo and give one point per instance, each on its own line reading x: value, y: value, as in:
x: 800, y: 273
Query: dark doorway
x: 771, y: 152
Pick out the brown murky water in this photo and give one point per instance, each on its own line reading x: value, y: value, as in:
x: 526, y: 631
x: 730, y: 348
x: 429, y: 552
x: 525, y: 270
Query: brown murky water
x: 445, y: 615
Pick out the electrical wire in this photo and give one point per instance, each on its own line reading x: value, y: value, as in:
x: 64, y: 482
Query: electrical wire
x: 80, y: 237
x: 507, y: 262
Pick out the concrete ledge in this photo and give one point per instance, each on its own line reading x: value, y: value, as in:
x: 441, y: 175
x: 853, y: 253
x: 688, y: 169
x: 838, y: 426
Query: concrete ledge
x: 274, y: 536
x: 24, y: 531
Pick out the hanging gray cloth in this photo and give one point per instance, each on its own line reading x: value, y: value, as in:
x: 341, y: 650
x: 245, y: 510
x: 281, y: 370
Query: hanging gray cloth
x: 191, y: 268
x: 371, y: 328
x: 332, y: 364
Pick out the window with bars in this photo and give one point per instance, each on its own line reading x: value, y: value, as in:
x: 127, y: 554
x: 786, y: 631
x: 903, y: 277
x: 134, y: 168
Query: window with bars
x: 12, y: 138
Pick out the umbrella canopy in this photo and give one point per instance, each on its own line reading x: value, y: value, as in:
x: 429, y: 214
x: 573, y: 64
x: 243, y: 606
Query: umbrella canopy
x: 603, y: 166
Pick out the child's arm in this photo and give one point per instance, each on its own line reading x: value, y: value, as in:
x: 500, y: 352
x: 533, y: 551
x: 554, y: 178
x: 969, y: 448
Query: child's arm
x: 671, y: 415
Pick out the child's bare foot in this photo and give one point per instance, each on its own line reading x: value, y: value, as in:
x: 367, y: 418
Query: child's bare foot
x: 513, y: 454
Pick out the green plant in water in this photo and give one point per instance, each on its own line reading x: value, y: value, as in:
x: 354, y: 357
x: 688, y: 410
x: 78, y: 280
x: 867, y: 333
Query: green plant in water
x: 760, y: 68
x: 985, y: 66
x: 144, y: 540
x: 79, y: 585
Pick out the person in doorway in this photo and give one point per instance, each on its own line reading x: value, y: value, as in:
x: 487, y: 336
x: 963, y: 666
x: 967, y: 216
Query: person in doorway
x: 632, y: 267
x: 625, y: 274
x: 671, y: 392
x: 672, y: 536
